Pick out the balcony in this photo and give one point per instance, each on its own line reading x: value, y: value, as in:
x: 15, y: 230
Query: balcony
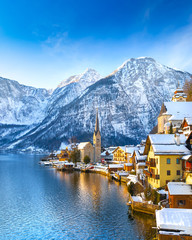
x: 147, y: 173
x: 155, y: 176
x: 150, y: 164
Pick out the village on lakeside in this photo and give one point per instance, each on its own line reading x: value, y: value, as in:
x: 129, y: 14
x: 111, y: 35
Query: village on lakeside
x: 158, y: 171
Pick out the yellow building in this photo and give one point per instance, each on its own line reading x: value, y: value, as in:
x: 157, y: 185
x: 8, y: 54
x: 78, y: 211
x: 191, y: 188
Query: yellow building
x: 164, y: 153
x: 120, y: 155
x: 64, y: 155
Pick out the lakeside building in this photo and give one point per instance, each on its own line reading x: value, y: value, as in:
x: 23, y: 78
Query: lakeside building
x: 64, y: 155
x: 174, y: 224
x: 107, y: 155
x: 164, y: 153
x: 124, y: 153
x: 139, y: 161
x: 180, y: 195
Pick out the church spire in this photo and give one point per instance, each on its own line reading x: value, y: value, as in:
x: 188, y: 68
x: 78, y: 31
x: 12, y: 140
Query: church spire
x: 97, y: 123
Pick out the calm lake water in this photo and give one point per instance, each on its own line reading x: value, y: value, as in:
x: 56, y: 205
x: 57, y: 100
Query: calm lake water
x: 38, y: 202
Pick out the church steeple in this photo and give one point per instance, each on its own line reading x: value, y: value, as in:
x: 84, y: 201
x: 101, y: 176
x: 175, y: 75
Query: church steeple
x: 97, y: 140
x: 97, y: 124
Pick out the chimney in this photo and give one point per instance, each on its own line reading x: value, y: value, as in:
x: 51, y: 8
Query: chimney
x: 177, y: 139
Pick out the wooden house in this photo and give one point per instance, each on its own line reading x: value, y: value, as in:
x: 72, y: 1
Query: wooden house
x: 180, y: 195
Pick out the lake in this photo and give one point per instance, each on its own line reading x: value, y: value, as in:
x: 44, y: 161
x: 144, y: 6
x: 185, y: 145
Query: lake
x: 37, y: 202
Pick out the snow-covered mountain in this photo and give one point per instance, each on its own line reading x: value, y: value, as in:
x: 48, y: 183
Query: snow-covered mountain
x: 129, y: 101
x: 20, y: 104
x: 70, y: 89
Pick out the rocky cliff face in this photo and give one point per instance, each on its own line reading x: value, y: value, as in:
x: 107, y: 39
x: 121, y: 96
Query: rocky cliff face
x: 20, y: 104
x: 128, y: 100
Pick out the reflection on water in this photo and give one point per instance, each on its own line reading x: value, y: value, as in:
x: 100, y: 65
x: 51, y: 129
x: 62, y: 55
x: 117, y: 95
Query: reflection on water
x: 40, y: 203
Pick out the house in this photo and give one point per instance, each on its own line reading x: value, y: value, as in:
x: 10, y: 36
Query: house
x: 139, y: 161
x: 107, y: 155
x: 187, y: 126
x: 119, y: 154
x: 187, y: 168
x: 179, y: 95
x: 115, y: 167
x: 64, y: 155
x: 187, y: 161
x: 123, y: 153
x: 164, y: 153
x: 174, y: 224
x: 180, y: 195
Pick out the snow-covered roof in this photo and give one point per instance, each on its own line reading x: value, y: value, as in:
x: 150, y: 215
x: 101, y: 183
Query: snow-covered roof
x: 175, y: 219
x: 187, y: 157
x: 57, y: 152
x: 170, y: 149
x: 166, y: 139
x: 140, y: 157
x: 63, y: 146
x: 107, y: 151
x: 82, y: 145
x: 141, y: 164
x: 179, y: 108
x: 189, y: 120
x: 69, y: 164
x: 116, y: 166
x: 141, y: 149
x: 132, y: 178
x: 128, y: 164
x: 162, y: 191
x: 137, y: 198
x: 176, y: 117
x: 128, y: 149
x: 179, y: 188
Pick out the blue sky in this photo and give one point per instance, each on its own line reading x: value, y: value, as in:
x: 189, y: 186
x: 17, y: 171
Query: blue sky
x: 43, y: 42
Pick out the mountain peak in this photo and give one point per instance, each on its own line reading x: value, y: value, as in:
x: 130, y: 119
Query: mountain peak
x: 89, y: 74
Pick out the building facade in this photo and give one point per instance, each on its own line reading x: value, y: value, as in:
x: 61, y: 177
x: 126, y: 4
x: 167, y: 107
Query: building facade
x: 164, y: 153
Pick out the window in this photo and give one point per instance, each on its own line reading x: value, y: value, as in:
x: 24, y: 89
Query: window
x: 178, y: 172
x: 168, y: 172
x: 181, y: 202
x: 178, y: 161
x: 156, y: 160
x: 168, y: 161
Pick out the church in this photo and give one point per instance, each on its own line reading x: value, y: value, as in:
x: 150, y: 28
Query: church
x: 92, y: 150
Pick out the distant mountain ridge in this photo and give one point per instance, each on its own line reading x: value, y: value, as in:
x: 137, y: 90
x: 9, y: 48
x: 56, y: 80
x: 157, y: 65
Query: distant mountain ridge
x: 128, y: 100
